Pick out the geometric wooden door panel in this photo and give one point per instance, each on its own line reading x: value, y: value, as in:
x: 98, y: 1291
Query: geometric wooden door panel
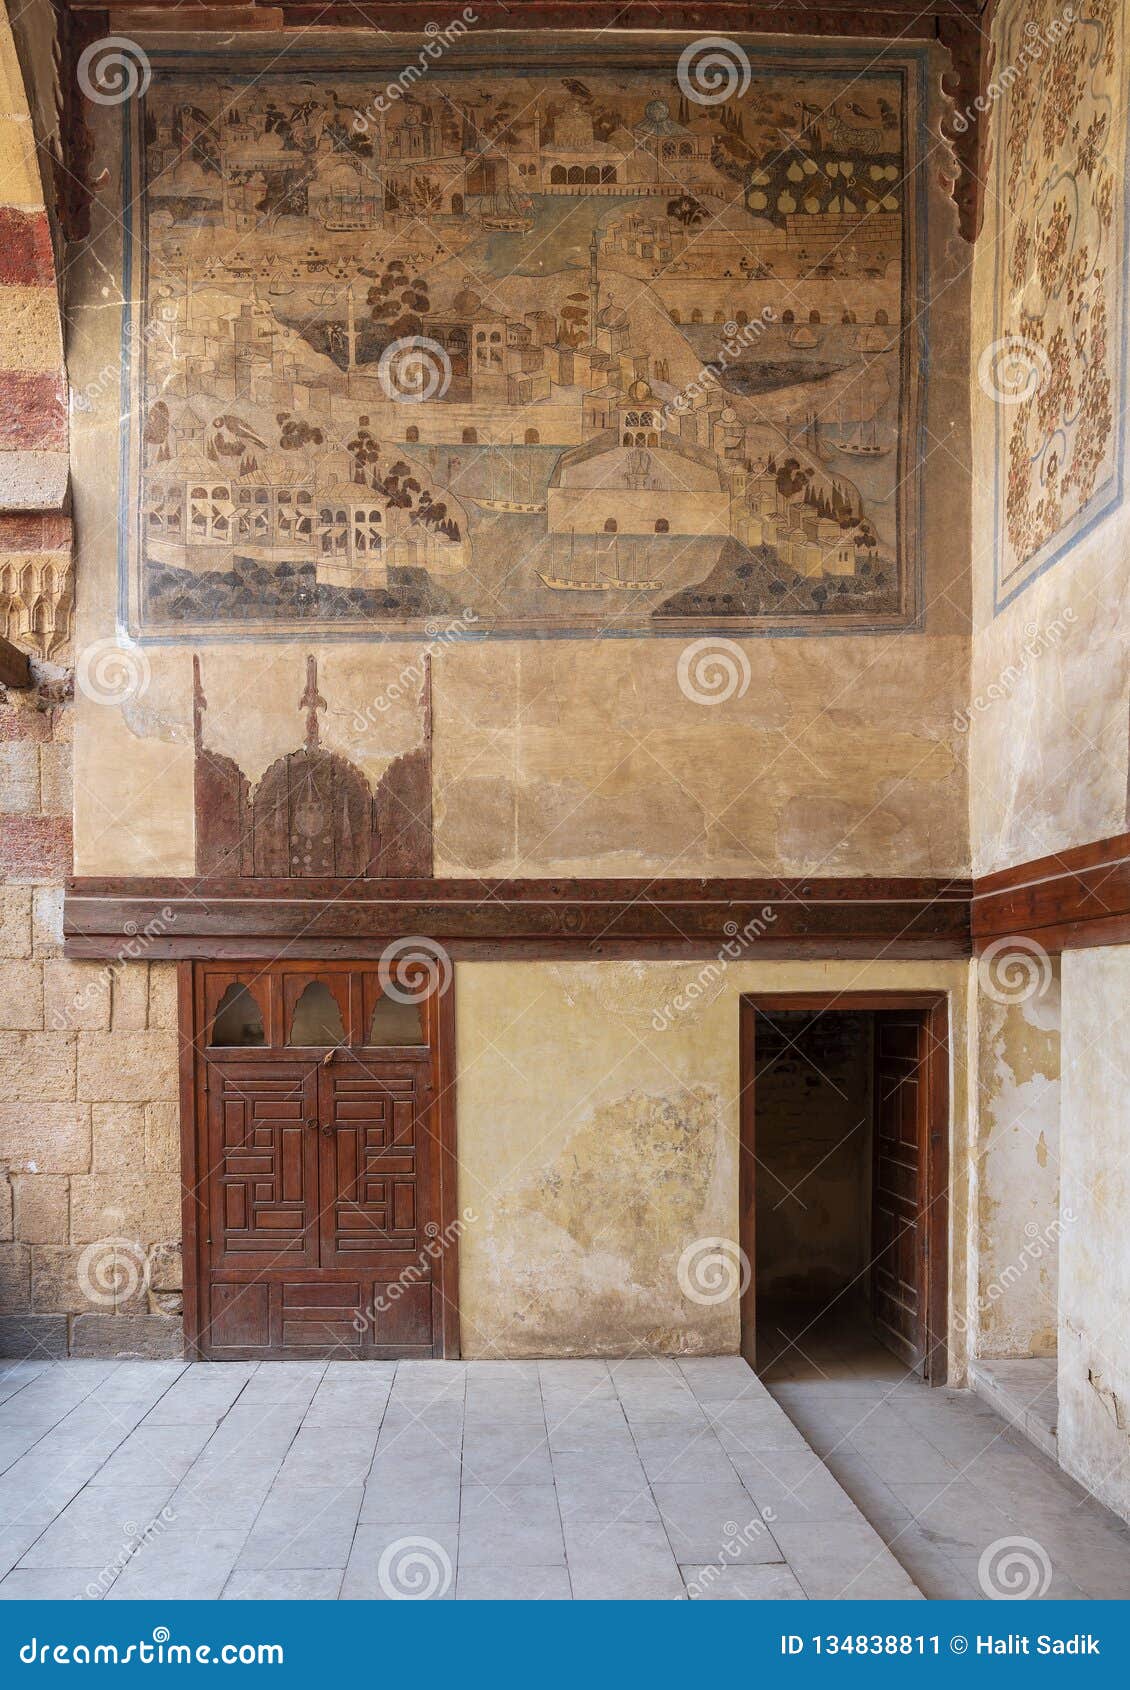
x: 263, y: 1164
x: 898, y: 1218
x: 374, y: 1165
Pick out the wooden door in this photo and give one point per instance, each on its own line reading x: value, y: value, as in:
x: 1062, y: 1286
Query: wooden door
x: 318, y: 1178
x: 377, y: 1186
x: 899, y: 1233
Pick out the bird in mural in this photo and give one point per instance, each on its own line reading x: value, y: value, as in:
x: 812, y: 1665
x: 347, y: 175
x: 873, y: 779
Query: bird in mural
x: 229, y: 437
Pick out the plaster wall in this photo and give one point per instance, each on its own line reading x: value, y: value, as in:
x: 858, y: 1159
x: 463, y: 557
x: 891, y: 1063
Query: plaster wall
x: 597, y: 1152
x: 1094, y: 1375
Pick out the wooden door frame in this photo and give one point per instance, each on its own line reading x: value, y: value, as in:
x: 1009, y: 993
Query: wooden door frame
x: 933, y: 1145
x: 194, y: 1189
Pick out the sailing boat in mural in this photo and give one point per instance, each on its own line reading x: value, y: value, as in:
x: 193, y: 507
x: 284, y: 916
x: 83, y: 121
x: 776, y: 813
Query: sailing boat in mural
x: 859, y: 439
x: 596, y: 581
x: 506, y: 488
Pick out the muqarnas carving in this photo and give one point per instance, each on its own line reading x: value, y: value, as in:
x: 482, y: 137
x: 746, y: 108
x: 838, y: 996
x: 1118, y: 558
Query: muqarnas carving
x: 313, y: 815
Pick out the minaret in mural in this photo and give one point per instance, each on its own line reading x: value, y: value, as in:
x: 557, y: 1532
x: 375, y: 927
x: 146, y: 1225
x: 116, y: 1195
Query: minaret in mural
x: 594, y: 284
x: 313, y: 815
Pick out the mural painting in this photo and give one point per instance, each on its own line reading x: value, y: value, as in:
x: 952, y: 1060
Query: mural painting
x: 573, y: 352
x: 1056, y: 364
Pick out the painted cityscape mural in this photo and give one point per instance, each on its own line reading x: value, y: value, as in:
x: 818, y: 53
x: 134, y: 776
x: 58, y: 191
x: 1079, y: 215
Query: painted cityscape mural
x: 558, y: 353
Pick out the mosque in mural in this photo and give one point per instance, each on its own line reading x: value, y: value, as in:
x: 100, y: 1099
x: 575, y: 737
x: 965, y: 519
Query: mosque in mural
x: 571, y: 353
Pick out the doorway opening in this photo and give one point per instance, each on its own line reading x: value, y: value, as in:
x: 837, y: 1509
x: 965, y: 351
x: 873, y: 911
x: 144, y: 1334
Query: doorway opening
x: 844, y: 1141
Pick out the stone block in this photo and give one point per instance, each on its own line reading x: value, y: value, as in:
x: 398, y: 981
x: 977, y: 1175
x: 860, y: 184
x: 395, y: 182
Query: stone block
x: 34, y: 848
x: 47, y: 920
x: 37, y: 1067
x: 15, y: 1277
x: 151, y: 1336
x: 76, y: 995
x: 128, y: 1203
x: 56, y: 793
x: 56, y: 1137
x: 15, y: 921
x: 165, y: 1268
x: 117, y: 1130
x: 42, y: 1208
x: 19, y: 777
x: 136, y: 1067
x: 130, y: 997
x: 163, y: 995
x: 56, y: 1283
x: 7, y: 1230
x: 162, y: 1137
x: 21, y: 996
x: 33, y: 1337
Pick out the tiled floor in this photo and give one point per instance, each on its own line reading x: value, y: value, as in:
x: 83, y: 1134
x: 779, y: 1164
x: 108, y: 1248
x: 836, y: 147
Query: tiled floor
x: 939, y: 1475
x: 585, y: 1479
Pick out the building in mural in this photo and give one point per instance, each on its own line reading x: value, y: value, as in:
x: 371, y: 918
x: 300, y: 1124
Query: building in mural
x: 570, y: 351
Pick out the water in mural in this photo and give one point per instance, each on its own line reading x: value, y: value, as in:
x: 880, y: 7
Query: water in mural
x: 577, y: 352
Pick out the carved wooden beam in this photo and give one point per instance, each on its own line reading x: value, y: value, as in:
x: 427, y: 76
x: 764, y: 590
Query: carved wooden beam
x: 15, y: 666
x: 519, y: 918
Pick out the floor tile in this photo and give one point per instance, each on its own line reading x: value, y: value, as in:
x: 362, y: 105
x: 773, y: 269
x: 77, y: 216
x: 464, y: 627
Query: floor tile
x: 402, y: 1561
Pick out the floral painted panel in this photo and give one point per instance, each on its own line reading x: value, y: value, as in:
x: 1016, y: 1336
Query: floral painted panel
x: 1057, y: 366
x: 597, y: 349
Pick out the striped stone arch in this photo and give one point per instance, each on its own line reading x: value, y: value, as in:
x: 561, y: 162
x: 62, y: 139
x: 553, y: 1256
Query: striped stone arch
x: 35, y: 534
